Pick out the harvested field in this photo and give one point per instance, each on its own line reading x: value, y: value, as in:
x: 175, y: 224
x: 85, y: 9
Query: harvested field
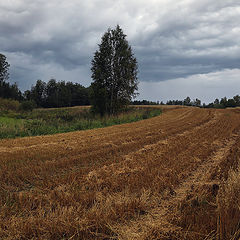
x: 160, y: 178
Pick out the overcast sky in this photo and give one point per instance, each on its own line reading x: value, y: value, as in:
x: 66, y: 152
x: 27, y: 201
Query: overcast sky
x: 184, y: 48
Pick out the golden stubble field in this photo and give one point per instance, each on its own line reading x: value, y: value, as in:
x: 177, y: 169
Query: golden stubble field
x: 170, y: 177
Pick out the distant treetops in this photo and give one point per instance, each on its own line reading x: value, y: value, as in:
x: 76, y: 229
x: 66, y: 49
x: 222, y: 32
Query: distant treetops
x: 50, y: 94
x: 57, y: 94
x: 222, y: 103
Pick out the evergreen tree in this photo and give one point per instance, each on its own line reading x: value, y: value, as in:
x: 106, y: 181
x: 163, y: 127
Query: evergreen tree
x: 52, y: 92
x: 7, y: 90
x: 237, y: 100
x: 223, y: 102
x: 187, y: 101
x: 114, y: 73
x: 4, y: 67
x: 216, y: 101
x: 37, y: 93
x: 197, y: 102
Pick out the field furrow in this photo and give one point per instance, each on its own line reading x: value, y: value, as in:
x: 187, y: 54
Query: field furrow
x: 130, y: 181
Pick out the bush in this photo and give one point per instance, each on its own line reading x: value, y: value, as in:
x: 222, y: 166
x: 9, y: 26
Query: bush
x: 27, y: 105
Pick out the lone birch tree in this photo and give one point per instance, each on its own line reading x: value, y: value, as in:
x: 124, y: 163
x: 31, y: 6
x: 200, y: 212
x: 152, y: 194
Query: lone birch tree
x: 114, y: 73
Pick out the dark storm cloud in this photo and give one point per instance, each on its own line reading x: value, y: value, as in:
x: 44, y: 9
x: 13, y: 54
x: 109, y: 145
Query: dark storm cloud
x: 191, y: 38
x: 171, y: 39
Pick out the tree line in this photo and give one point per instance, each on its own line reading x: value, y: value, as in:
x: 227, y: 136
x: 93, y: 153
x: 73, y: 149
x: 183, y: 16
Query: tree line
x: 224, y: 102
x: 57, y: 94
x: 217, y: 103
x: 51, y: 94
x: 186, y: 102
x: 145, y: 102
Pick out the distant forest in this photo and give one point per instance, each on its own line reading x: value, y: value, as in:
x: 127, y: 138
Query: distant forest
x: 51, y: 94
x: 218, y: 103
x: 54, y: 94
x: 57, y: 94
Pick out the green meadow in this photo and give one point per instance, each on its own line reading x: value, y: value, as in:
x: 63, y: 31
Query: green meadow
x: 17, y: 123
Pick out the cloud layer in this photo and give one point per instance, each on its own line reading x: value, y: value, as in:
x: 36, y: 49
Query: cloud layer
x: 171, y: 39
x: 206, y: 87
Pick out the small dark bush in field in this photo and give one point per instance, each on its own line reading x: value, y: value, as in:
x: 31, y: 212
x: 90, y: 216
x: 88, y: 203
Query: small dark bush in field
x: 27, y: 105
x: 146, y: 114
x: 65, y: 116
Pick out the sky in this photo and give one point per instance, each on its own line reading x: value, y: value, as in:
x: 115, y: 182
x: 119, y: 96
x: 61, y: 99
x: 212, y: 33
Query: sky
x: 183, y: 48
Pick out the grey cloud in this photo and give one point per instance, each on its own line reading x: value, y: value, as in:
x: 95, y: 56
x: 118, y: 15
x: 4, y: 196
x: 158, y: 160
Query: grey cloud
x: 171, y: 39
x: 200, y: 36
x: 26, y: 71
x: 206, y: 87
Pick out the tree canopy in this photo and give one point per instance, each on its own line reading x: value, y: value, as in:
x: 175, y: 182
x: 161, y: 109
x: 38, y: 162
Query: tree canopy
x: 57, y: 94
x: 7, y: 90
x: 114, y: 73
x: 4, y: 67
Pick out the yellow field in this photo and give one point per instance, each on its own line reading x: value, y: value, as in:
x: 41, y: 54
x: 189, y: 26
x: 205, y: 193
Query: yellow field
x: 169, y: 177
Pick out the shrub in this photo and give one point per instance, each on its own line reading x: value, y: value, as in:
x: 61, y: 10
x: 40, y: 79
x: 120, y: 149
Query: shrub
x: 27, y: 105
